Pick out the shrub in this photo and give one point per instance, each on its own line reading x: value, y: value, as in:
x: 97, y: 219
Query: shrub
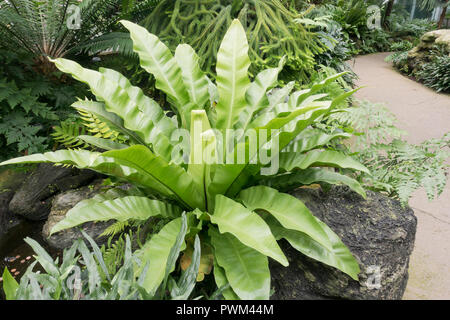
x: 436, y: 74
x: 237, y: 219
x: 86, y: 277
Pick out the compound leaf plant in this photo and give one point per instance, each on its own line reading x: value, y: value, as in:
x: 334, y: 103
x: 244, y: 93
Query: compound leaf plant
x: 229, y: 204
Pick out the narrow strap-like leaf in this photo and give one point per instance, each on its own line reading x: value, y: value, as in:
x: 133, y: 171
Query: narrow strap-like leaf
x: 157, y: 59
x: 290, y: 181
x: 232, y: 77
x: 327, y: 158
x: 194, y: 78
x: 156, y: 252
x: 121, y: 209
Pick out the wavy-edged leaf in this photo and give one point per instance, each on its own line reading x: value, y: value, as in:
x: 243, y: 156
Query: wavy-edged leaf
x: 290, y: 181
x: 194, y: 78
x: 228, y: 179
x: 172, y: 176
x: 326, y: 158
x: 232, y: 76
x: 247, y: 226
x: 222, y: 282
x: 288, y: 210
x: 246, y: 269
x: 338, y: 256
x: 116, y: 167
x: 312, y: 139
x: 256, y: 94
x: 140, y: 114
x: 158, y: 127
x: 157, y: 59
x: 156, y: 253
x: 136, y: 164
x: 121, y: 209
x: 280, y: 95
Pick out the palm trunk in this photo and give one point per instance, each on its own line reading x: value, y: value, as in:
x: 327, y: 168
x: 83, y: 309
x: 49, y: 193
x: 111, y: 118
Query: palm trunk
x: 443, y: 14
x: 388, y: 12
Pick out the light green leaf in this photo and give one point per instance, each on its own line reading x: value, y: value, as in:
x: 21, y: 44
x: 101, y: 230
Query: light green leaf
x: 288, y: 210
x: 221, y: 281
x: 202, y: 140
x: 157, y: 59
x: 194, y: 78
x: 158, y: 127
x: 327, y: 158
x: 232, y: 78
x: 290, y: 181
x: 113, y: 121
x: 156, y: 252
x: 121, y: 209
x: 338, y: 256
x: 312, y: 138
x: 256, y: 94
x: 246, y: 226
x: 173, y: 177
x: 101, y: 143
x: 140, y: 114
x: 10, y: 285
x: 246, y: 269
x: 115, y: 166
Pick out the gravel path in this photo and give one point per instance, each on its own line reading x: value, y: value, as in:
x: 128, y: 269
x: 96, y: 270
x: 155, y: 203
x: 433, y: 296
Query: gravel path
x: 424, y: 114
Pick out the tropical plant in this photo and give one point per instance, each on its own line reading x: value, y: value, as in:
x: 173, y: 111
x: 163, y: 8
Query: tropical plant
x: 436, y: 73
x: 56, y: 28
x: 430, y: 4
x: 29, y: 105
x: 397, y: 167
x: 83, y: 275
x: 237, y: 220
x: 269, y: 25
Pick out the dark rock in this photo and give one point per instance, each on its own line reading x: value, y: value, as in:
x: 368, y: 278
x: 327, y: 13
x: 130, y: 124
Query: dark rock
x: 426, y: 50
x: 10, y: 181
x: 33, y: 199
x: 61, y: 204
x: 378, y: 231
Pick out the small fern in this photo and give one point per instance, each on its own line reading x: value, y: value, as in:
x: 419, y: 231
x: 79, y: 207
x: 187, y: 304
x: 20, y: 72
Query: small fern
x: 99, y: 129
x: 67, y: 134
x: 397, y: 167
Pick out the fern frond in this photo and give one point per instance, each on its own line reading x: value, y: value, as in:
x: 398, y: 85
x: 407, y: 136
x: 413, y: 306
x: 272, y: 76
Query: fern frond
x: 67, y: 135
x: 99, y: 129
x: 115, y: 228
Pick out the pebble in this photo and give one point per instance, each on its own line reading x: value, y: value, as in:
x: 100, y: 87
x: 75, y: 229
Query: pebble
x: 28, y: 258
x: 22, y: 261
x: 1, y: 279
x: 13, y: 270
x: 17, y: 273
x: 18, y: 257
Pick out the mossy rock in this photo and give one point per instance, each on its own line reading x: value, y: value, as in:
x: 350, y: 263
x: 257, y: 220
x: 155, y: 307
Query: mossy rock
x: 379, y: 232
